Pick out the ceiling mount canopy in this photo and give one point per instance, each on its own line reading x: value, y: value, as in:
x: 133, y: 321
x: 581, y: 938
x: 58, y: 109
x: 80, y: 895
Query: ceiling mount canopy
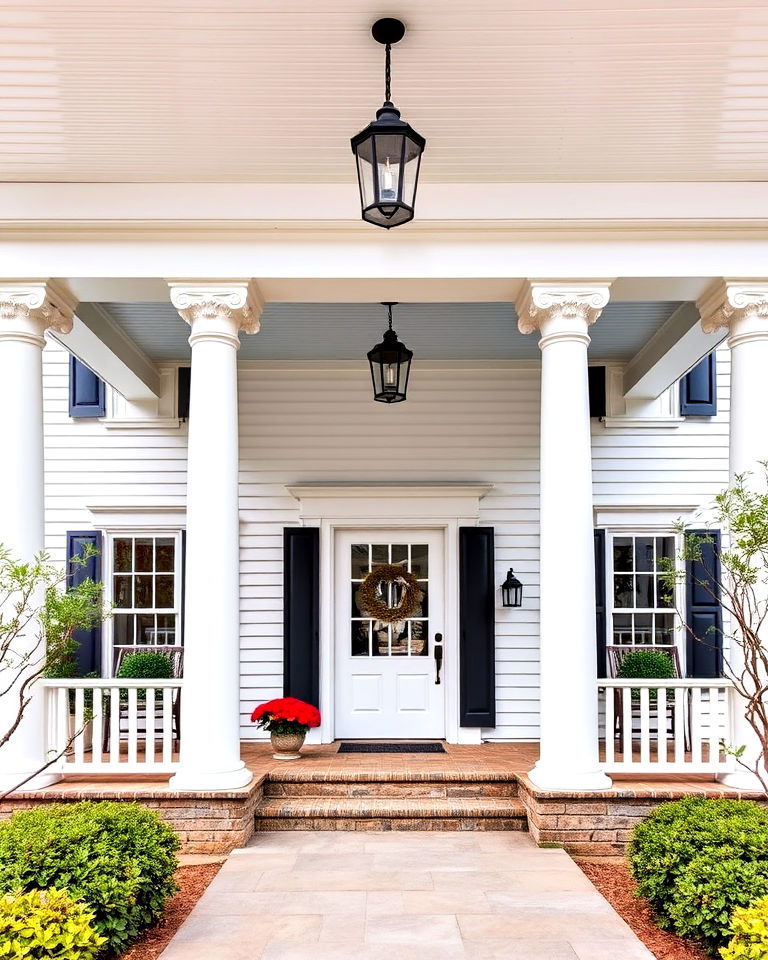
x: 388, y: 150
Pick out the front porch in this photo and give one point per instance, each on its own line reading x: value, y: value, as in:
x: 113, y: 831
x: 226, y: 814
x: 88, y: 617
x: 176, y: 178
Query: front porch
x: 467, y: 788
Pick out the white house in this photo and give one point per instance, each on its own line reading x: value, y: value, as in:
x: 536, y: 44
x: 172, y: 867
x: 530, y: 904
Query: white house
x: 532, y: 277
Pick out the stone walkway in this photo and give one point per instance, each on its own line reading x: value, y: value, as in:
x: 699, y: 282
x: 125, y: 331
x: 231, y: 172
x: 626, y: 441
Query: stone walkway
x: 402, y: 896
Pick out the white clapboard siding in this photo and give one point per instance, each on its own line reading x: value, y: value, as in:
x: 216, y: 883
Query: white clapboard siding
x: 307, y: 423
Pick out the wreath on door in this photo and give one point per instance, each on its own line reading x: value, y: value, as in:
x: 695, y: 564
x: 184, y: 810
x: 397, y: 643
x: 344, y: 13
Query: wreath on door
x: 369, y: 596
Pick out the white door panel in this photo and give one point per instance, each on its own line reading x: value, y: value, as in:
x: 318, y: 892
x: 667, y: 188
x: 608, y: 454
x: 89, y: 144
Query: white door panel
x: 385, y: 674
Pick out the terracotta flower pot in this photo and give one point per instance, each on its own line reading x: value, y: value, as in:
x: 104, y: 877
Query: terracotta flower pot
x: 287, y: 745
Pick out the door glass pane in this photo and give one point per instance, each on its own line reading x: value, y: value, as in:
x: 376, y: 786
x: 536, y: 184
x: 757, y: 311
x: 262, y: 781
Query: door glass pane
x: 400, y: 639
x: 360, y: 634
x: 420, y: 560
x: 380, y: 639
x: 379, y: 554
x: 419, y: 638
x: 359, y: 560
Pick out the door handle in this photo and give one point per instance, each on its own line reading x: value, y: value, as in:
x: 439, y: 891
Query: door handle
x: 438, y: 656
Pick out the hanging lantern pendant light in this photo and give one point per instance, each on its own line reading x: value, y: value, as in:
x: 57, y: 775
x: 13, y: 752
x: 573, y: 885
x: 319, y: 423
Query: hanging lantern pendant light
x: 390, y: 363
x: 388, y: 150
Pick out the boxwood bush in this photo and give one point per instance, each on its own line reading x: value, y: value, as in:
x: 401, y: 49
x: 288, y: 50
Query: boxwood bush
x: 749, y: 926
x: 119, y: 858
x: 47, y: 925
x: 697, y: 859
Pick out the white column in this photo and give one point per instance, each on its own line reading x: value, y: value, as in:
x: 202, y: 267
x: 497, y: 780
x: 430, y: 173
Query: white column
x: 742, y: 307
x: 562, y: 313
x: 27, y: 309
x: 210, y: 718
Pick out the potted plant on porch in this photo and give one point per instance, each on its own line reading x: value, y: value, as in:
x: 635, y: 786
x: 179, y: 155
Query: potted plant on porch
x: 287, y: 720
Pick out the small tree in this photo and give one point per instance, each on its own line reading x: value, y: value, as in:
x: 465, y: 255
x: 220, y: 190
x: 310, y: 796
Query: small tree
x: 38, y: 620
x: 741, y: 586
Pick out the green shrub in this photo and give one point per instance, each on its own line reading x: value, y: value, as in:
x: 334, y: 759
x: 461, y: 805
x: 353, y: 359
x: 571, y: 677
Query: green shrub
x: 750, y: 933
x: 119, y: 858
x: 646, y: 665
x: 146, y: 665
x: 697, y: 859
x: 47, y: 925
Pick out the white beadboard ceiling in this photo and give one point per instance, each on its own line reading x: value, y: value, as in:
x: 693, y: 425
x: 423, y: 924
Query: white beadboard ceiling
x: 271, y: 90
x: 434, y: 331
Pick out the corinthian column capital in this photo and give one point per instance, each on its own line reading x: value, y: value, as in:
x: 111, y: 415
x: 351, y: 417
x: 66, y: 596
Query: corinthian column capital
x: 739, y: 305
x: 568, y: 306
x: 29, y: 307
x: 218, y: 308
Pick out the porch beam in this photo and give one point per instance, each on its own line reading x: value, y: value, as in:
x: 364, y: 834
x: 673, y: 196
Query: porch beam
x: 102, y: 345
x: 677, y: 346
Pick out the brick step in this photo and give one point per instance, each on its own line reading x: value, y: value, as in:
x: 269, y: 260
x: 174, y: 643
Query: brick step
x: 390, y: 813
x: 384, y: 789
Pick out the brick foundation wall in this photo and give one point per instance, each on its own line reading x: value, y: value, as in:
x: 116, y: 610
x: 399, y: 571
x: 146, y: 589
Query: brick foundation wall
x: 206, y: 822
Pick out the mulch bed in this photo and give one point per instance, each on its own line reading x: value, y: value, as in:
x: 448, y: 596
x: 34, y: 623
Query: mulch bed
x: 192, y: 880
x: 612, y: 878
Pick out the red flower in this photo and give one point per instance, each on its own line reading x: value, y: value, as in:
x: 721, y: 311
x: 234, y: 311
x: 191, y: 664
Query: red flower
x: 288, y: 709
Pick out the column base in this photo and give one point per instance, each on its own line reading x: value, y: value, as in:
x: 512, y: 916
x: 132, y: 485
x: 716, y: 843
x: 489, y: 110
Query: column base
x: 740, y: 780
x: 561, y: 778
x: 9, y: 781
x: 195, y: 781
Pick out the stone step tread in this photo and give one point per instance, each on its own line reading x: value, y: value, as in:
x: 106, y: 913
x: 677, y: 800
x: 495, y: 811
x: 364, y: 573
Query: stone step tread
x: 389, y: 807
x: 497, y: 790
x: 303, y: 775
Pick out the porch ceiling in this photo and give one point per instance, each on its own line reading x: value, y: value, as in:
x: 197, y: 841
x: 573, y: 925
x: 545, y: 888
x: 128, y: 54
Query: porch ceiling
x: 270, y: 91
x: 434, y: 331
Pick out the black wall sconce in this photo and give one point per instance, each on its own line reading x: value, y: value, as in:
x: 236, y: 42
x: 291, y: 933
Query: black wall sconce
x: 511, y: 591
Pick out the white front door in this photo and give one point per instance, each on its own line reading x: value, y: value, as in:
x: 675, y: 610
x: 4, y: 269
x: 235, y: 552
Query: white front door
x: 386, y: 673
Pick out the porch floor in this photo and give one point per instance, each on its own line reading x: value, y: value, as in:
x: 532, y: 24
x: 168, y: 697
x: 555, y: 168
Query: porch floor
x: 486, y: 761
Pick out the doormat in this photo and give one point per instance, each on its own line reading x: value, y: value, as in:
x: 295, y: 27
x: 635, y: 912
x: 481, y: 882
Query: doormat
x: 391, y: 748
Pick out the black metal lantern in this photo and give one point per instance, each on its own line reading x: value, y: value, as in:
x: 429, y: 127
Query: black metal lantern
x: 390, y: 363
x: 388, y: 150
x: 512, y: 591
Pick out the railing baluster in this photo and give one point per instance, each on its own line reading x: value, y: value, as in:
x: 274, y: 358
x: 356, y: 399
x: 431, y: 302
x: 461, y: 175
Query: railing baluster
x: 79, y: 727
x: 645, y: 726
x: 168, y: 725
x: 149, y: 735
x: 610, y: 726
x: 661, y: 726
x: 132, y: 725
x: 626, y: 726
x: 114, y: 726
x: 696, y: 726
x: 97, y: 731
x: 62, y: 727
x: 714, y: 727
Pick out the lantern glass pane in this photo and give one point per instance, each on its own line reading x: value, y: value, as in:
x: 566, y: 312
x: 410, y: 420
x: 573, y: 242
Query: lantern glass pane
x: 366, y: 178
x: 388, y: 172
x: 410, y: 174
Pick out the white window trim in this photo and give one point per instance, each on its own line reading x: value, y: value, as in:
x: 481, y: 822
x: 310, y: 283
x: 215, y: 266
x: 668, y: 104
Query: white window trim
x: 159, y: 413
x: 109, y: 536
x: 679, y: 597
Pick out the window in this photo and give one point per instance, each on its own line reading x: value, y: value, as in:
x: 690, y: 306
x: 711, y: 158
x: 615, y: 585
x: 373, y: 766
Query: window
x: 641, y: 614
x: 145, y: 581
x: 373, y: 638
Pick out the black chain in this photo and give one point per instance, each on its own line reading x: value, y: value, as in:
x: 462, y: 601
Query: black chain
x: 388, y: 75
x: 389, y: 307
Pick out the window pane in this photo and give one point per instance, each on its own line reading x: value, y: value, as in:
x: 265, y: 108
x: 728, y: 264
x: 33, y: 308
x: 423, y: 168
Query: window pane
x: 164, y: 554
x: 644, y: 590
x: 166, y: 629
x: 623, y: 593
x: 122, y: 594
x: 400, y: 639
x: 419, y: 638
x: 357, y: 610
x: 665, y: 632
x: 663, y: 595
x: 123, y: 629
x: 643, y: 628
x: 420, y: 560
x: 644, y: 553
x: 360, y: 631
x: 359, y: 560
x: 380, y: 553
x: 622, y: 554
x: 665, y: 547
x: 144, y: 591
x: 163, y: 592
x: 400, y: 554
x: 122, y: 555
x: 145, y: 628
x: 380, y: 639
x: 144, y: 553
x: 622, y: 628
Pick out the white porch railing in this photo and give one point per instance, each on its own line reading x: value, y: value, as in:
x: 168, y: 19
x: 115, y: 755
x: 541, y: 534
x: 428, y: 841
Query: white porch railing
x: 674, y: 726
x: 115, y: 726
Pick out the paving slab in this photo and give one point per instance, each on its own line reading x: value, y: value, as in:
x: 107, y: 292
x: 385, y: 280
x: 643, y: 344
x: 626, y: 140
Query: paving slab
x: 414, y: 896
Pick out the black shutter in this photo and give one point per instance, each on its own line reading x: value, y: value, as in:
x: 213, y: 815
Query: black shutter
x: 88, y: 654
x: 600, y: 607
x: 182, y: 392
x: 86, y: 391
x: 183, y: 567
x: 704, y: 614
x: 301, y: 613
x: 477, y: 646
x: 698, y: 389
x: 596, y: 378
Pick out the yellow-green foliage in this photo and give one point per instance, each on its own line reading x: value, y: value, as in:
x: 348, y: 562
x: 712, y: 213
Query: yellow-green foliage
x: 47, y: 925
x: 750, y: 929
